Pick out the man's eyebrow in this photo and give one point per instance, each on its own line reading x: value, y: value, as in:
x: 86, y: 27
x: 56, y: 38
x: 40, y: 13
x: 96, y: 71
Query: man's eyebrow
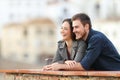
x: 75, y: 26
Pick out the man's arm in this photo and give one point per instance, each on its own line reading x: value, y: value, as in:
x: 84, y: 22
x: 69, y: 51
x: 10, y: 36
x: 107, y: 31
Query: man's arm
x: 73, y: 67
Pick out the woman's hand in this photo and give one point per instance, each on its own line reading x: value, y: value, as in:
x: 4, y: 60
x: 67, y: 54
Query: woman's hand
x: 49, y: 67
x: 46, y: 68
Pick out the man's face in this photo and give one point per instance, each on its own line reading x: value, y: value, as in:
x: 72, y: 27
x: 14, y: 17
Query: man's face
x: 79, y: 29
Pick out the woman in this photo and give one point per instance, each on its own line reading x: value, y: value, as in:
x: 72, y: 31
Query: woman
x: 68, y: 48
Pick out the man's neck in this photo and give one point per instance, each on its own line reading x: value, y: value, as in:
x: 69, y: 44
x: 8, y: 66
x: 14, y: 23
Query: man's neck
x: 86, y: 35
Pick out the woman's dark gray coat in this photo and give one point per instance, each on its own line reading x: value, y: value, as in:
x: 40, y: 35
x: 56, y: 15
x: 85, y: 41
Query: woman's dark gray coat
x: 77, y: 51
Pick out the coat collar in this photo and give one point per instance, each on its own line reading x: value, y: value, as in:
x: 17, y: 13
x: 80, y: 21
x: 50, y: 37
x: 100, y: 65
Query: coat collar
x: 89, y: 35
x: 63, y: 44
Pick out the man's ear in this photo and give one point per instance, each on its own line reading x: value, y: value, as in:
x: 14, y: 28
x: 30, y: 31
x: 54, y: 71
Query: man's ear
x: 87, y: 27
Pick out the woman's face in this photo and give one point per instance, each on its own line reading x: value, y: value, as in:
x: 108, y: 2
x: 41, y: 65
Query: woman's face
x: 65, y: 31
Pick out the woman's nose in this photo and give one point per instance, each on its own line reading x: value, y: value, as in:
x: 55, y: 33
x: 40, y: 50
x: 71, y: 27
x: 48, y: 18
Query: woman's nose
x: 62, y: 31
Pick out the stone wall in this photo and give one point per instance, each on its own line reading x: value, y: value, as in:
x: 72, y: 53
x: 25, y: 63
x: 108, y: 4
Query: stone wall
x: 37, y: 74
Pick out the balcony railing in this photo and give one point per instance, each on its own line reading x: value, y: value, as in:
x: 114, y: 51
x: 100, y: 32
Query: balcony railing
x: 37, y: 74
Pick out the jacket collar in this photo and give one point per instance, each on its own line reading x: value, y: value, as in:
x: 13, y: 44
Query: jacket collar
x: 89, y: 35
x: 63, y: 44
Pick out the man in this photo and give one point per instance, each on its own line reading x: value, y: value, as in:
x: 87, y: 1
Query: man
x: 100, y: 53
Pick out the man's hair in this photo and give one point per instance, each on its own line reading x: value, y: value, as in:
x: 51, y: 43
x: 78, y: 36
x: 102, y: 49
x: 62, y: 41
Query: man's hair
x: 84, y: 18
x: 71, y: 28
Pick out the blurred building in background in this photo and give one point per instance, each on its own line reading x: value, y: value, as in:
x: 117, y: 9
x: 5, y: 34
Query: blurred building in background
x: 29, y: 29
x: 31, y: 41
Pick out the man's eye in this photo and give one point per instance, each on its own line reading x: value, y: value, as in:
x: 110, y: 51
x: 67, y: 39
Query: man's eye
x: 76, y: 27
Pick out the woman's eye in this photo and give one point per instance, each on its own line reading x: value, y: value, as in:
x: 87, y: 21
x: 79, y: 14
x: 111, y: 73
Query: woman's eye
x: 65, y: 29
x: 61, y: 28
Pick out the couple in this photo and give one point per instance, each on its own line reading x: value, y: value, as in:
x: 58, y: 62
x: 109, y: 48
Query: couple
x: 91, y: 50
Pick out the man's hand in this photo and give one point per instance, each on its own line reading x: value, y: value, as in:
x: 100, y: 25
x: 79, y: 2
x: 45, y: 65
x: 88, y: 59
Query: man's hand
x: 70, y: 62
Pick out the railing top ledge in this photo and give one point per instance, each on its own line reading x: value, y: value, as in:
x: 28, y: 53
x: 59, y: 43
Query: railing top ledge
x: 63, y: 73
